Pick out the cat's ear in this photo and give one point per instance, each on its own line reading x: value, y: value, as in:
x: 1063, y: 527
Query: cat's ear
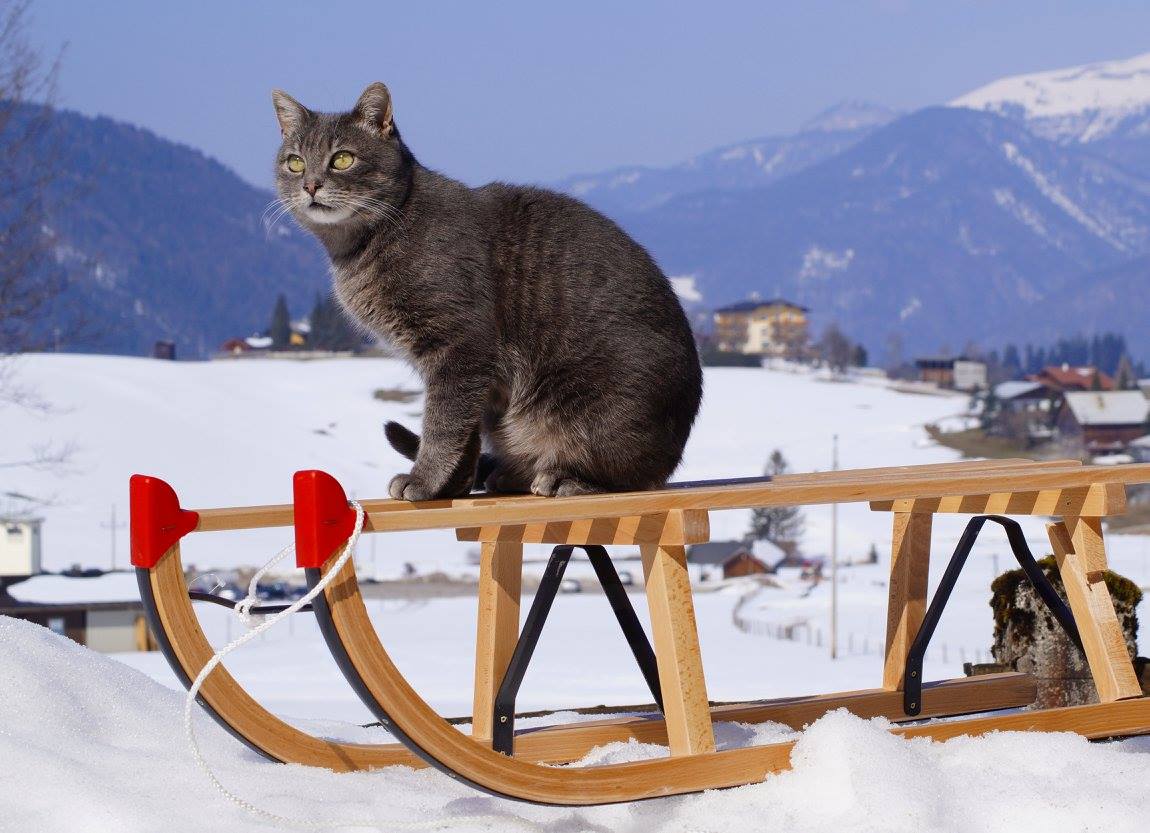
x: 374, y: 109
x: 291, y: 113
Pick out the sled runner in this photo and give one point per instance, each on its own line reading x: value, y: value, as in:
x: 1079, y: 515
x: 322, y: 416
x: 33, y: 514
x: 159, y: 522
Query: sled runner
x: 501, y: 761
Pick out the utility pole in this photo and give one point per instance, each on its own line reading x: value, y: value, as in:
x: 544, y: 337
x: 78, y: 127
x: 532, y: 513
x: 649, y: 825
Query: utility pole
x: 835, y: 558
x: 112, y: 526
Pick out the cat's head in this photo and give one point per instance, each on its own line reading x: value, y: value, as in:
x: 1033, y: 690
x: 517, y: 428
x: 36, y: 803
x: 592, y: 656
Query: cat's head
x: 341, y: 168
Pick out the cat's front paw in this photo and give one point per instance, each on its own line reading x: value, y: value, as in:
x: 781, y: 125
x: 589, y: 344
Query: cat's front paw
x: 408, y: 487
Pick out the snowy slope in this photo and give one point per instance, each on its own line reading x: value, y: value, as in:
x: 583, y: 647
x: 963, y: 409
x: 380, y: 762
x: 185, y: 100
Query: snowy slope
x: 232, y: 433
x: 89, y: 745
x: 1082, y: 103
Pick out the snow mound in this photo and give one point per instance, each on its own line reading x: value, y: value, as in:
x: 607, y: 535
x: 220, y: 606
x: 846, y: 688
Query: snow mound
x: 88, y: 744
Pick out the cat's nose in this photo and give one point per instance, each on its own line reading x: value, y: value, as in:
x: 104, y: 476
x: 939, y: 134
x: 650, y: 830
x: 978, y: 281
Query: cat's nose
x: 312, y: 187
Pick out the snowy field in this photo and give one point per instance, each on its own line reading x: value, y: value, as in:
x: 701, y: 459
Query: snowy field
x: 232, y: 433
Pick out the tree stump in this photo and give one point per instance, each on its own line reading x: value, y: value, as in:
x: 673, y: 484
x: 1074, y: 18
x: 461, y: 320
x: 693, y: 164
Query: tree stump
x: 1027, y: 637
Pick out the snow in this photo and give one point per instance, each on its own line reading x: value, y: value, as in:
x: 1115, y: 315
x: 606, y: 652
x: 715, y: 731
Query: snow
x: 91, y: 745
x: 110, y: 587
x: 90, y: 738
x: 687, y: 288
x: 231, y: 433
x: 1056, y: 196
x: 1083, y: 102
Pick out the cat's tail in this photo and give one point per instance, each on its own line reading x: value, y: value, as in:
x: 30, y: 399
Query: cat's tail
x: 406, y: 442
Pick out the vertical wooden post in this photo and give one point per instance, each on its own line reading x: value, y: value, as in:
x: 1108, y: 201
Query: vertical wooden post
x: 906, y: 603
x: 685, y: 703
x: 1081, y: 556
x: 500, y: 585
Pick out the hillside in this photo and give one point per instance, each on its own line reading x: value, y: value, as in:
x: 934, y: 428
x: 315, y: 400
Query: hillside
x: 161, y: 242
x: 945, y: 226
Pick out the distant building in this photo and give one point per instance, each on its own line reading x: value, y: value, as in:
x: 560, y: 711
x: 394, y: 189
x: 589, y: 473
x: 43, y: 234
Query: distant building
x: 763, y: 328
x: 165, y: 350
x: 1103, y: 421
x: 104, y: 612
x: 1025, y: 411
x: 958, y: 372
x: 1067, y: 378
x: 20, y: 547
x: 734, y: 558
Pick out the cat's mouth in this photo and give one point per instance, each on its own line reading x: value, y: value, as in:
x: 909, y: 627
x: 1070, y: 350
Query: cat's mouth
x: 319, y: 212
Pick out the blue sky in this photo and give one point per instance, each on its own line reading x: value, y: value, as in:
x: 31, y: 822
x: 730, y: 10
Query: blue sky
x: 531, y: 91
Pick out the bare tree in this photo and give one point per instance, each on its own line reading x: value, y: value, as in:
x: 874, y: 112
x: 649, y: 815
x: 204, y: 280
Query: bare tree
x: 27, y: 169
x: 27, y: 94
x: 835, y: 349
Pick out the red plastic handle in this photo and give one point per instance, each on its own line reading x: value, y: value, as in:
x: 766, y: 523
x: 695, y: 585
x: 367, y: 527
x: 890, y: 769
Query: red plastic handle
x: 157, y: 521
x: 323, y: 519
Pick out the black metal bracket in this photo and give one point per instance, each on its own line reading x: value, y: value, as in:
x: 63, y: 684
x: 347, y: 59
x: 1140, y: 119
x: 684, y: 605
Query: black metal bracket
x: 503, y: 732
x: 912, y: 679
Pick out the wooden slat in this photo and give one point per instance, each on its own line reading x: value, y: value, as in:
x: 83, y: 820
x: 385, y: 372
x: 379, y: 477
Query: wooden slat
x: 1081, y: 557
x: 676, y: 641
x: 1098, y: 500
x: 678, y: 527
x: 497, y: 628
x: 906, y: 605
x: 966, y: 695
x: 386, y: 515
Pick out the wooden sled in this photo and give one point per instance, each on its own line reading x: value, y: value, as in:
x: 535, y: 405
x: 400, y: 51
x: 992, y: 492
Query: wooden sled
x: 661, y: 523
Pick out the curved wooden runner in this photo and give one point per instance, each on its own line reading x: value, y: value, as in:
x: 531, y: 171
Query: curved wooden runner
x: 396, y: 703
x: 230, y: 702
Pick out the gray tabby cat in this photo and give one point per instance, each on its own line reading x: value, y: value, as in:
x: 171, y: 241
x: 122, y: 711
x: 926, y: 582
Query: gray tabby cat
x: 540, y: 329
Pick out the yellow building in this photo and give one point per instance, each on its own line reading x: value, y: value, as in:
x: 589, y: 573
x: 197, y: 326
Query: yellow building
x: 763, y: 328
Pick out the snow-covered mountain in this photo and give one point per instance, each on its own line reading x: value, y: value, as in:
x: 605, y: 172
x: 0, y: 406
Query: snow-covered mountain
x: 744, y: 165
x: 947, y: 225
x: 1086, y: 103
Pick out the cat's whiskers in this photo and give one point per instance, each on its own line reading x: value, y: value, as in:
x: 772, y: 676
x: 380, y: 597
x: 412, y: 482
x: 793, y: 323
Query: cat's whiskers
x: 379, y: 209
x: 275, y: 211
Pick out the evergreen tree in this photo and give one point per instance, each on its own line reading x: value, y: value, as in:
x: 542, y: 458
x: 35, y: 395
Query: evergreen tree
x: 1124, y: 376
x: 320, y: 328
x: 783, y: 526
x: 1011, y: 362
x: 280, y: 329
x: 859, y: 357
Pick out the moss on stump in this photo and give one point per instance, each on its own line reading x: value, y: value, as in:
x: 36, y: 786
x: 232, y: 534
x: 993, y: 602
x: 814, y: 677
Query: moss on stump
x: 1029, y: 639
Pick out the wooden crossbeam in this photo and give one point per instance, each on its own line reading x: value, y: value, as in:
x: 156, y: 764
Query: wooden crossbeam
x: 689, y: 526
x: 1097, y: 500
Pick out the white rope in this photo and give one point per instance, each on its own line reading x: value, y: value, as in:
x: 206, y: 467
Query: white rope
x: 243, y: 610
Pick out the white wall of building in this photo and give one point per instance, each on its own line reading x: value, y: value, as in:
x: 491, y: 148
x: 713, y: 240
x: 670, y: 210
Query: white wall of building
x: 20, y: 547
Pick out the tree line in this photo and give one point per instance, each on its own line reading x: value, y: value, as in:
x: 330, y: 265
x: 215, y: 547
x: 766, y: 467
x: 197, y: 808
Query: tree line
x: 329, y: 328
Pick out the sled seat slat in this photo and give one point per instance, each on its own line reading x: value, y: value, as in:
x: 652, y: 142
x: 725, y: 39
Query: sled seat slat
x: 857, y: 486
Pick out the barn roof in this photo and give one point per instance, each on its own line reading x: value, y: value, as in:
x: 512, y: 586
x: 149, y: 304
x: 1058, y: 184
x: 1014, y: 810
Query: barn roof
x: 1112, y: 407
x: 718, y: 553
x: 1013, y: 390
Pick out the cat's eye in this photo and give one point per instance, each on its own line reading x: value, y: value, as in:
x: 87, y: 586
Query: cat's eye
x: 342, y: 160
x: 295, y: 164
